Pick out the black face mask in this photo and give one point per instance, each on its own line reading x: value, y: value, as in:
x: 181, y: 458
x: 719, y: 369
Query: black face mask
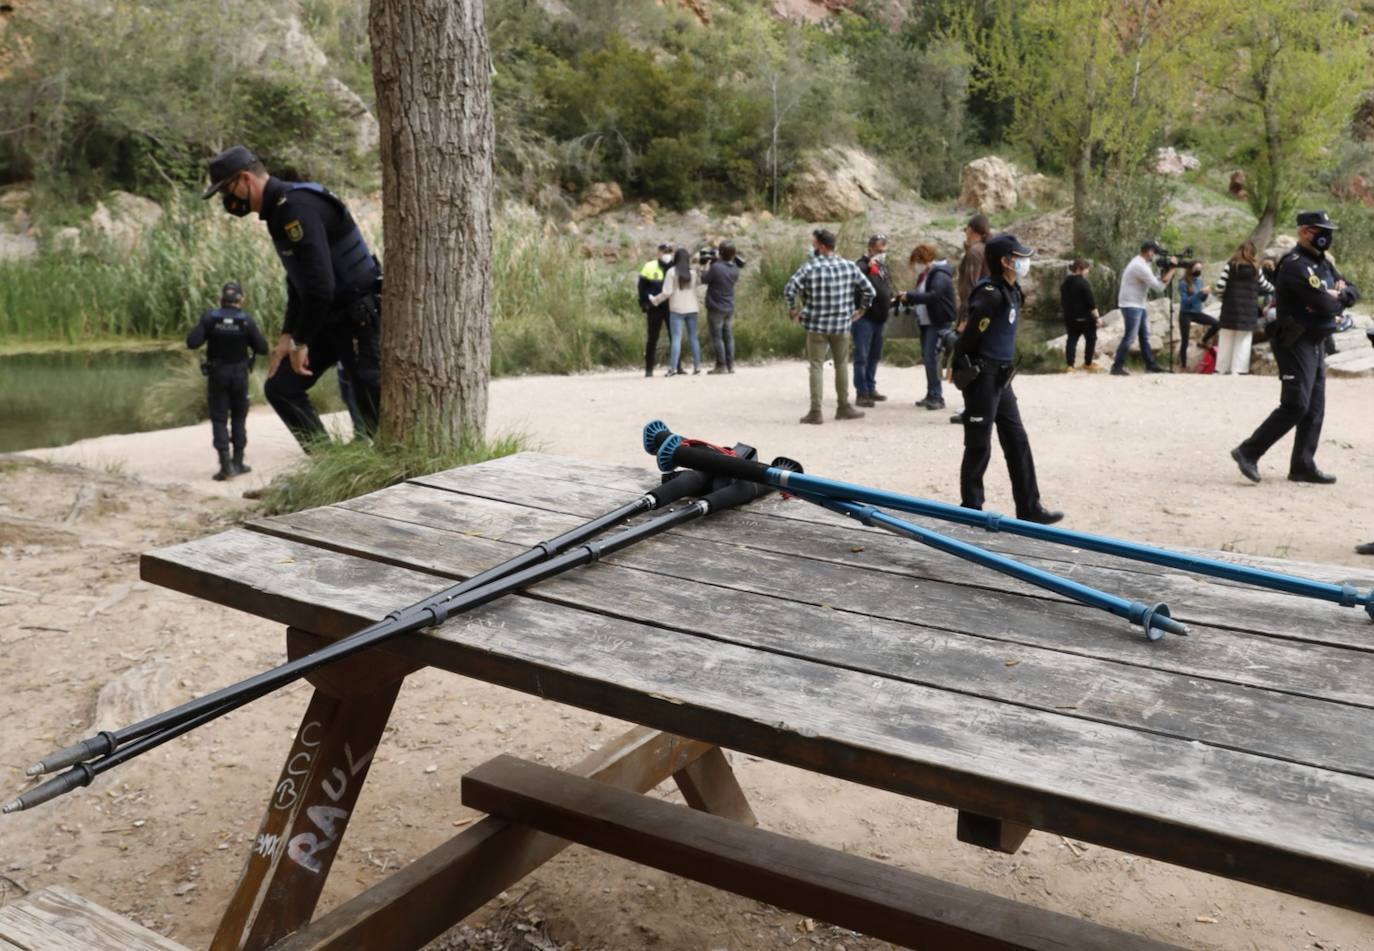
x: 1321, y: 239
x: 236, y: 206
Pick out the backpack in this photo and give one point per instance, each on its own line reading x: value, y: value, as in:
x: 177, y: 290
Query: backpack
x: 1208, y: 362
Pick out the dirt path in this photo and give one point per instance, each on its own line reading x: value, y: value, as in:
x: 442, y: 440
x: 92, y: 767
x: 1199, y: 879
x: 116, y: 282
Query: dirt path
x: 163, y: 841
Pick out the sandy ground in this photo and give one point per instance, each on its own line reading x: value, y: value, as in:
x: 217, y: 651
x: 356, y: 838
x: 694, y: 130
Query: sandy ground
x: 85, y: 643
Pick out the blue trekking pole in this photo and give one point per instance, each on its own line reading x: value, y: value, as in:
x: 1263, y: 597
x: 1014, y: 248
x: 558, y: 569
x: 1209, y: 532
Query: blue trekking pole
x: 1154, y: 619
x: 672, y: 451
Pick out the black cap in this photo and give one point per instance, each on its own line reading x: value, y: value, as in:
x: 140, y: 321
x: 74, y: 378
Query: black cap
x: 226, y: 165
x: 1152, y: 245
x: 1315, y: 219
x: 231, y: 293
x: 1004, y: 246
x: 665, y: 246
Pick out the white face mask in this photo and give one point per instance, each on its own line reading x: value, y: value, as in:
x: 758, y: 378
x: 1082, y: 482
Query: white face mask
x: 665, y: 259
x: 880, y: 257
x: 1021, y: 266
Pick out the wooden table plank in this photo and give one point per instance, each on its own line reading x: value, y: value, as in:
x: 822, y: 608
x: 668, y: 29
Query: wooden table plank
x: 773, y: 527
x: 1296, y: 729
x: 1275, y: 824
x: 55, y: 919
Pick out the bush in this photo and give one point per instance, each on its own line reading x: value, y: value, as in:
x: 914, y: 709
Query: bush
x: 1123, y: 211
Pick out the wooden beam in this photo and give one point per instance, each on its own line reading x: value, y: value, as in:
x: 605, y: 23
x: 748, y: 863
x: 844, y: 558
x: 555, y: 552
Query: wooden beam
x: 891, y: 904
x: 988, y: 833
x: 709, y: 785
x: 431, y: 894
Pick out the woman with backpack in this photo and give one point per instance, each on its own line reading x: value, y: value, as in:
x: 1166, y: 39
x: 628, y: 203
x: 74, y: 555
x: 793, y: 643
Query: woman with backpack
x: 1239, y: 285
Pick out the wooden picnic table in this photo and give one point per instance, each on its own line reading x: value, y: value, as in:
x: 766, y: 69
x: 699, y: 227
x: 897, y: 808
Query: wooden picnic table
x: 1245, y: 750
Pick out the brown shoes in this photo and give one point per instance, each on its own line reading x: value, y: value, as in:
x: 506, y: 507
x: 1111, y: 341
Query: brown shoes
x: 848, y: 412
x: 813, y: 418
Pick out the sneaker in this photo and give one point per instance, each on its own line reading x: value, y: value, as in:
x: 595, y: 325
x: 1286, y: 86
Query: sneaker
x: 877, y: 397
x: 696, y: 371
x: 1091, y: 368
x: 1069, y: 368
x: 934, y: 402
x: 1365, y: 549
x: 1156, y: 368
x: 813, y: 418
x: 849, y: 412
x: 864, y: 400
x: 1247, y: 466
x: 1120, y: 371
x: 957, y: 419
x: 673, y: 373
x: 729, y: 369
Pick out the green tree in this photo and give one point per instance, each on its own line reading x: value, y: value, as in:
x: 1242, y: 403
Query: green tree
x: 1293, y: 72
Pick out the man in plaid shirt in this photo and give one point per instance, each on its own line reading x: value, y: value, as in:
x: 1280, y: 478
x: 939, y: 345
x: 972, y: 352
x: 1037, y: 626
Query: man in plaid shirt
x: 836, y: 294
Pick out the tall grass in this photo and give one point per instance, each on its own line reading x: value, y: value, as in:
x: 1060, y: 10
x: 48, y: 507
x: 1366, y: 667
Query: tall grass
x: 178, y: 397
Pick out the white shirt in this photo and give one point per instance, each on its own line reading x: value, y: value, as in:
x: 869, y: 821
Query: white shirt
x: 1136, y: 282
x: 681, y: 300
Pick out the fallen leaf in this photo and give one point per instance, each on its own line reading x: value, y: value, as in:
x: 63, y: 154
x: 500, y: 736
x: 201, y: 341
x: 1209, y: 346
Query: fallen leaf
x: 1205, y: 919
x: 857, y: 548
x: 1012, y: 663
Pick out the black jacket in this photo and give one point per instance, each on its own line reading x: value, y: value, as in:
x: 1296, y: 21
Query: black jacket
x: 877, y: 275
x: 1304, y: 279
x: 994, y: 310
x: 939, y: 297
x: 1076, y: 300
x: 1240, y: 286
x: 651, y: 277
x: 230, y: 334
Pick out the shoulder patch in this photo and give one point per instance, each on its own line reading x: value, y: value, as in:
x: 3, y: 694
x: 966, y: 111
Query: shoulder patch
x: 984, y: 324
x: 294, y: 231
x: 1315, y: 281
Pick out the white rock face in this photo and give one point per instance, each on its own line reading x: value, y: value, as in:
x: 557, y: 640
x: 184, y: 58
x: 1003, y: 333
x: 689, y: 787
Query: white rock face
x: 988, y: 184
x: 597, y: 199
x: 122, y: 219
x: 837, y: 184
x: 1170, y: 161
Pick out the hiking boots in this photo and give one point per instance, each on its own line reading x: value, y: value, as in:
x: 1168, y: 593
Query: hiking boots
x: 877, y: 397
x: 239, y: 467
x: 226, y: 468
x: 848, y: 412
x: 864, y: 400
x: 813, y: 418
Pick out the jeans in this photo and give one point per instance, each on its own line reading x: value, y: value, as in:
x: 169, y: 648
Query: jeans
x: 838, y: 345
x: 676, y: 324
x: 868, y: 352
x: 722, y: 337
x: 1136, y: 326
x: 930, y: 359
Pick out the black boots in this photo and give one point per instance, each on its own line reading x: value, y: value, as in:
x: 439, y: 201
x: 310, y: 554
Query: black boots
x: 239, y: 467
x: 226, y: 468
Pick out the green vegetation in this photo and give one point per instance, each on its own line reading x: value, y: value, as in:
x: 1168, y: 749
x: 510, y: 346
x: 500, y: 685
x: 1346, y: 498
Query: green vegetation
x: 334, y: 471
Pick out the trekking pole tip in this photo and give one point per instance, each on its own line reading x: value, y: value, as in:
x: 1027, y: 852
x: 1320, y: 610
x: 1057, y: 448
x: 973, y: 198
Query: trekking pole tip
x: 35, y: 770
x: 14, y: 805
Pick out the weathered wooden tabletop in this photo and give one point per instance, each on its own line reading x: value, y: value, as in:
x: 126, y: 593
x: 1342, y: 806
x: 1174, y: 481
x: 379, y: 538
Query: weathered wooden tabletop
x: 1246, y: 750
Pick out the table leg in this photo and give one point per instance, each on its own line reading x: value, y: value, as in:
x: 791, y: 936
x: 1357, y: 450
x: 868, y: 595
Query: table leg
x: 709, y: 785
x: 306, y: 818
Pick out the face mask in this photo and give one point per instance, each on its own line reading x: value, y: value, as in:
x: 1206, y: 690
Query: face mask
x: 1197, y: 274
x: 236, y: 206
x: 665, y: 259
x: 1321, y: 239
x: 880, y: 257
x: 1021, y: 266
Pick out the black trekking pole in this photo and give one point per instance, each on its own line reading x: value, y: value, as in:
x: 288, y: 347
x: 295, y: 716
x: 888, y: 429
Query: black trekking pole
x: 673, y: 450
x: 433, y: 611
x: 682, y: 485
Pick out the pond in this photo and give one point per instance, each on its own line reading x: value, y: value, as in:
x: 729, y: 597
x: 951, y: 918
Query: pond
x: 51, y: 399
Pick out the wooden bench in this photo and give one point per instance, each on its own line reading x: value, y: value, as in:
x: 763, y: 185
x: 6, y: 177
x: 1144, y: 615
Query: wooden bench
x: 55, y: 919
x: 896, y: 905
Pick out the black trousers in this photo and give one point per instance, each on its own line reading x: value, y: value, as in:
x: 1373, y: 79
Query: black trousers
x: 1186, y: 319
x: 656, y: 318
x: 988, y: 404
x: 227, y: 393
x: 357, y: 349
x: 1088, y: 331
x: 1302, y: 404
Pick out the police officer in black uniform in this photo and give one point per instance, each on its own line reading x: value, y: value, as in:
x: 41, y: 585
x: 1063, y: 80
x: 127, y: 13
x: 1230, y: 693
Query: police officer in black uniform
x: 333, y: 308
x: 230, y: 337
x: 983, y: 369
x: 1311, y: 301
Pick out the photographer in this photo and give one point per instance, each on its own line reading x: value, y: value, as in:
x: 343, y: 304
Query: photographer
x: 229, y: 334
x: 720, y: 272
x: 1312, y: 298
x: 1137, y: 280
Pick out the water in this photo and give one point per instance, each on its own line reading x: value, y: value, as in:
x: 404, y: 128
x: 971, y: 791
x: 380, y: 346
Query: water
x: 51, y: 399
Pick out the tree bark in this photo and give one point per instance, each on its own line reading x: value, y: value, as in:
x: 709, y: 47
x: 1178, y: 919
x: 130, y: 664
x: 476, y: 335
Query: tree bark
x: 431, y: 65
x: 1273, y: 182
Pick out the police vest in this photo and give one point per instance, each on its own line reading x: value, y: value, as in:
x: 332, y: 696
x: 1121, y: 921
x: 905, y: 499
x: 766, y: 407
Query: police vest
x: 996, y: 326
x: 355, y: 269
x: 653, y: 271
x: 227, y: 339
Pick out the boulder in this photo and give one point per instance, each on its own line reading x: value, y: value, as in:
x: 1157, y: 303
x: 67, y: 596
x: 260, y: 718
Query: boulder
x: 597, y: 199
x: 1051, y: 235
x: 1037, y: 191
x: 1354, y: 357
x: 1170, y: 161
x: 837, y: 184
x: 17, y: 247
x: 736, y: 225
x: 989, y: 185
x: 122, y: 219
x: 366, y: 133
x: 647, y: 214
x: 66, y: 239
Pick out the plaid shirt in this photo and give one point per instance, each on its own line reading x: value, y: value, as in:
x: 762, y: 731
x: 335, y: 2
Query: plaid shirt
x: 833, y: 288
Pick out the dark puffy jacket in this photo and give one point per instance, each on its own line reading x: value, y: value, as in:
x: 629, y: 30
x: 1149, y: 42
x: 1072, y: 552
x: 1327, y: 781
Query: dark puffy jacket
x: 938, y: 297
x: 1240, y: 285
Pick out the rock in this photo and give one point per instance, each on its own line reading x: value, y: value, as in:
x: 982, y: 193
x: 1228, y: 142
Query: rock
x: 280, y: 41
x: 765, y: 216
x: 1354, y: 357
x: 1237, y: 185
x: 989, y: 185
x: 66, y: 239
x: 13, y: 199
x: 1282, y: 245
x: 736, y: 224
x: 122, y: 218
x: 837, y: 184
x: 647, y: 215
x: 1037, y: 191
x: 597, y: 199
x: 1051, y: 235
x: 1170, y: 161
x: 366, y: 133
x: 17, y: 247
x: 1114, y: 325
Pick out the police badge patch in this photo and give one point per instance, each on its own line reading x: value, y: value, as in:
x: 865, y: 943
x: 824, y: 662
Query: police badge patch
x: 294, y: 231
x: 984, y: 324
x: 1315, y: 281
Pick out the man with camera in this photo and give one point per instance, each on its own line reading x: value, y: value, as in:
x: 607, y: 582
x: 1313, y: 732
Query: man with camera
x: 333, y: 289
x: 230, y: 337
x: 1312, y: 298
x: 719, y: 274
x: 1137, y: 280
x: 984, y: 364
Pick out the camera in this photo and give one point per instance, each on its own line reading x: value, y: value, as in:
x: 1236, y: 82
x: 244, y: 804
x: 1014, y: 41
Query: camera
x: 1167, y: 259
x: 707, y: 256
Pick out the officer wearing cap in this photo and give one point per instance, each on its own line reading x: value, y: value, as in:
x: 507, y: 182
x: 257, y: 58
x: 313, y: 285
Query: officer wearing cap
x: 651, y: 277
x: 230, y: 337
x: 333, y: 307
x: 983, y: 369
x: 1311, y: 301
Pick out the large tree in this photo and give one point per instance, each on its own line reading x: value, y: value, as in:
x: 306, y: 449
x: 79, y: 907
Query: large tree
x: 1293, y: 71
x: 432, y: 70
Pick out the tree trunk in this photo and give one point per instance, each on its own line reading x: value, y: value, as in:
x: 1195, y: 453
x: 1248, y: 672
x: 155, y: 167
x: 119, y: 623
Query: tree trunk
x: 432, y: 68
x: 1273, y: 181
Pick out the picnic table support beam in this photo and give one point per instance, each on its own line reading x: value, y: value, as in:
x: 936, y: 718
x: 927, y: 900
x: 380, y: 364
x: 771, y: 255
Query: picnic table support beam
x: 313, y: 800
x: 709, y: 785
x: 425, y: 898
x: 999, y: 835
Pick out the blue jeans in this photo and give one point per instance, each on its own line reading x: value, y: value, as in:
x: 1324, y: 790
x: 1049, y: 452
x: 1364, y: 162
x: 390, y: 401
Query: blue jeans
x: 676, y: 323
x: 930, y: 358
x: 868, y: 352
x: 1136, y: 326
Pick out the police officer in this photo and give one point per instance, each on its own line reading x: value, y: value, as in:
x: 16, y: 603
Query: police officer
x: 333, y: 307
x: 1311, y: 301
x: 983, y: 370
x: 651, y: 277
x: 231, y: 338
